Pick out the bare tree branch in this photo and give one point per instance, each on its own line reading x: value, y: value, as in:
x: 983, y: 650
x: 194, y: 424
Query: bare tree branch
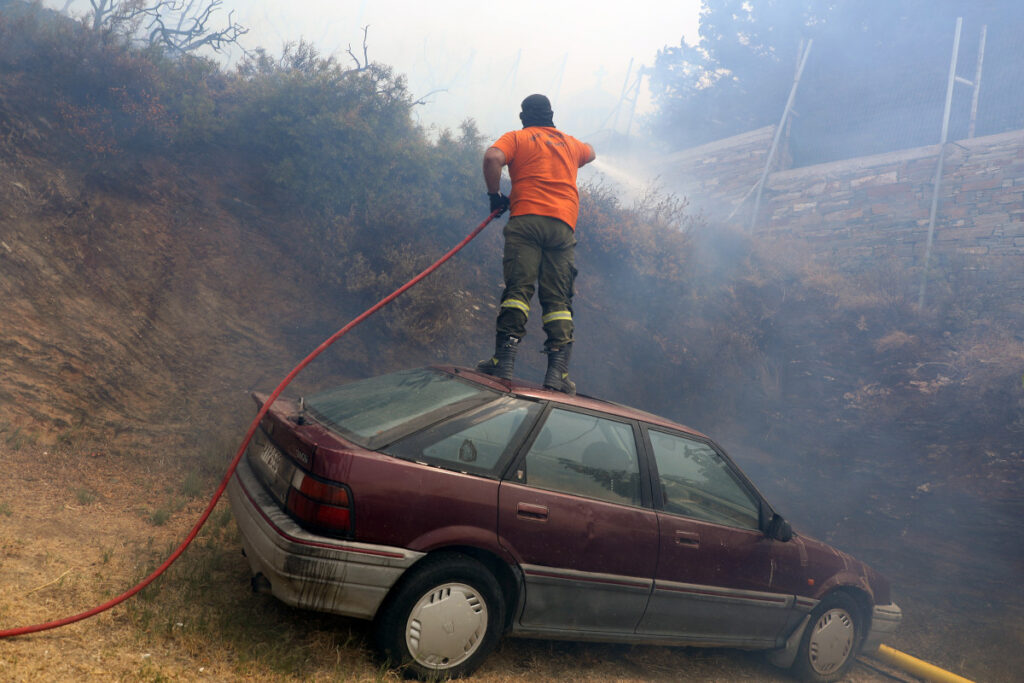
x: 178, y: 25
x: 366, y: 53
x: 423, y: 99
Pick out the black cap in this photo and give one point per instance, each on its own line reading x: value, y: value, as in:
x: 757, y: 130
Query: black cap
x: 536, y: 112
x: 537, y: 103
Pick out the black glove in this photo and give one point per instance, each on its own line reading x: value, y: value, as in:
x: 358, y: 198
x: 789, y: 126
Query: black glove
x: 499, y: 202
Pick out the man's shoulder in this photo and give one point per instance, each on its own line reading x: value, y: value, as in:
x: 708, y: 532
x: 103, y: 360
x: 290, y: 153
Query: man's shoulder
x: 550, y: 133
x: 579, y: 147
x: 566, y: 136
x: 511, y: 137
x: 507, y: 143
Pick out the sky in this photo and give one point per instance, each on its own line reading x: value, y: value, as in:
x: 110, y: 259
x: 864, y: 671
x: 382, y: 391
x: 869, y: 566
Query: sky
x: 479, y: 59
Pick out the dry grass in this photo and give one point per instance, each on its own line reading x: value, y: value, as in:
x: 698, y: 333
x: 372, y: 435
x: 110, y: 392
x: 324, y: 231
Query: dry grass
x: 201, y: 621
x: 894, y: 340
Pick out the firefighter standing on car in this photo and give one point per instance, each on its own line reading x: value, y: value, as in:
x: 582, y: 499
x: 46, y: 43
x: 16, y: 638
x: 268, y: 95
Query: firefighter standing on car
x: 539, y: 237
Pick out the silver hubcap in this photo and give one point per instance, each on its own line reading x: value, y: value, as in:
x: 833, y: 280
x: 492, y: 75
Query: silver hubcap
x: 446, y: 626
x: 831, y: 641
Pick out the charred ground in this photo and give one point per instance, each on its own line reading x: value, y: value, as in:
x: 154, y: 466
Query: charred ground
x: 172, y: 236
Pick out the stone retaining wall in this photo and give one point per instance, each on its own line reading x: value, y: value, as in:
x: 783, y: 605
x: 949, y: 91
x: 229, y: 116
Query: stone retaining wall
x: 874, y: 206
x: 719, y: 176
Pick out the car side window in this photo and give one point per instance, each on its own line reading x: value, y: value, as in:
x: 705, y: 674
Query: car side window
x: 585, y: 456
x: 697, y: 482
x: 474, y: 442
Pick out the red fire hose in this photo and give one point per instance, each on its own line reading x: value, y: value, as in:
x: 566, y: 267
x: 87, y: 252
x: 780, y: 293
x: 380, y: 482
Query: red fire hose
x: 245, y: 443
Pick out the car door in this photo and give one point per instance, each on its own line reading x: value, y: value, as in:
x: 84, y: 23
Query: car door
x: 572, y: 512
x: 715, y: 569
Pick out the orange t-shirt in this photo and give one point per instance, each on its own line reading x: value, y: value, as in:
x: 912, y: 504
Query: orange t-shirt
x: 542, y: 162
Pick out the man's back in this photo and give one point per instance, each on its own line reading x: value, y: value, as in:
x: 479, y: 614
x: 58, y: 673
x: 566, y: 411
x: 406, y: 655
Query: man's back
x: 542, y: 164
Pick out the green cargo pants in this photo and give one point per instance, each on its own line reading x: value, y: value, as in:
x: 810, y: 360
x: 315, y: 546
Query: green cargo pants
x: 538, y: 249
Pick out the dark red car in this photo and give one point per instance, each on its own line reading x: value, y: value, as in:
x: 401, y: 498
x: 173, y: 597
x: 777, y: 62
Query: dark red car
x: 452, y: 508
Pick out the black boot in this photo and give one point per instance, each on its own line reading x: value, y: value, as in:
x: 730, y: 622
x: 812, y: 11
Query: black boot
x: 557, y: 377
x: 504, y: 359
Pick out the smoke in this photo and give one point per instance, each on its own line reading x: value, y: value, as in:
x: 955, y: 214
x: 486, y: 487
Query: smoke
x: 818, y: 376
x: 890, y: 432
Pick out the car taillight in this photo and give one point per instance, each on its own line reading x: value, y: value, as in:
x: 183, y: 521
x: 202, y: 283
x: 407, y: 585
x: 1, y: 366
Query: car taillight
x: 321, y: 504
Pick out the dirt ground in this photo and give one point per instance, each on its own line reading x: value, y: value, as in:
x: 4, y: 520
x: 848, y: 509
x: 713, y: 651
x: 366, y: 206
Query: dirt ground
x: 79, y: 527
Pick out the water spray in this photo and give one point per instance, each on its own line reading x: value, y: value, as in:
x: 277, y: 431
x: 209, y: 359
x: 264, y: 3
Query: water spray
x: 630, y: 183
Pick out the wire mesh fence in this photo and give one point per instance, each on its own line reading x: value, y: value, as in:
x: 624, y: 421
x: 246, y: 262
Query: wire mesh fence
x: 845, y: 109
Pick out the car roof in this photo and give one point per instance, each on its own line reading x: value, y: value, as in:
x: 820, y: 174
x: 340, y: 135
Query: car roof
x: 526, y: 389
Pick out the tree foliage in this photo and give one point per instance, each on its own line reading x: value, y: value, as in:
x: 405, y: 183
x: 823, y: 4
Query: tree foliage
x: 875, y: 79
x: 732, y: 80
x: 329, y: 137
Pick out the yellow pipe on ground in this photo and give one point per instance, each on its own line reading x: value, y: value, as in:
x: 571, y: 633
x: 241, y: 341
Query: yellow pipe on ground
x: 917, y: 667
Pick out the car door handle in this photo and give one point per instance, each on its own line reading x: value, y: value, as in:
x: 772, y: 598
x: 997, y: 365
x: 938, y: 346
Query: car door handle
x: 688, y: 539
x: 531, y: 511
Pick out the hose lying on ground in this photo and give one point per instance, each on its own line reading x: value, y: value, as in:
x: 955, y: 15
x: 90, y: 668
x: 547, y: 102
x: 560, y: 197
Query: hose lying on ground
x: 917, y: 667
x: 23, y: 630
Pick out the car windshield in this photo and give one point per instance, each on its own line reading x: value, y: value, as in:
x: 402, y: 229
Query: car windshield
x: 375, y: 411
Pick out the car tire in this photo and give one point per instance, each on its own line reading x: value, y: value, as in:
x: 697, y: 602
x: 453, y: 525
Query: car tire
x: 443, y: 618
x: 831, y: 641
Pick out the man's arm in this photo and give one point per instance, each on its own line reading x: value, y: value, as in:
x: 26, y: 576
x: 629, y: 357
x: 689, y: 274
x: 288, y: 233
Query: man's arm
x: 591, y: 156
x: 494, y: 161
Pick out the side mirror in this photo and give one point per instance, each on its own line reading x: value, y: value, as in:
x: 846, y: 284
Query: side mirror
x: 779, y: 529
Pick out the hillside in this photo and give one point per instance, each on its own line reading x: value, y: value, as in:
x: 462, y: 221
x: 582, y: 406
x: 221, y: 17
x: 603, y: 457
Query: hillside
x: 173, y: 236
x: 129, y: 305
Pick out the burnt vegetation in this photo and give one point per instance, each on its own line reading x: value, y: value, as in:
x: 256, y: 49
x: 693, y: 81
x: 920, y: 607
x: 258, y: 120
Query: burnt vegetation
x: 173, y: 233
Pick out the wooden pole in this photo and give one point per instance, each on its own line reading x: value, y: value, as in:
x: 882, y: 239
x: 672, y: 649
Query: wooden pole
x: 622, y: 95
x: 977, y: 83
x: 937, y: 181
x: 778, y: 134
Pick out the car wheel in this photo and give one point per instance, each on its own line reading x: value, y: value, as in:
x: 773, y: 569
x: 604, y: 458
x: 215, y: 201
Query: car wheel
x: 443, y: 619
x: 830, y: 643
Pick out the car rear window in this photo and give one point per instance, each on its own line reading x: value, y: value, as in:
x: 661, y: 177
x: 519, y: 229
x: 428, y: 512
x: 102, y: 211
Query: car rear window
x: 375, y: 411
